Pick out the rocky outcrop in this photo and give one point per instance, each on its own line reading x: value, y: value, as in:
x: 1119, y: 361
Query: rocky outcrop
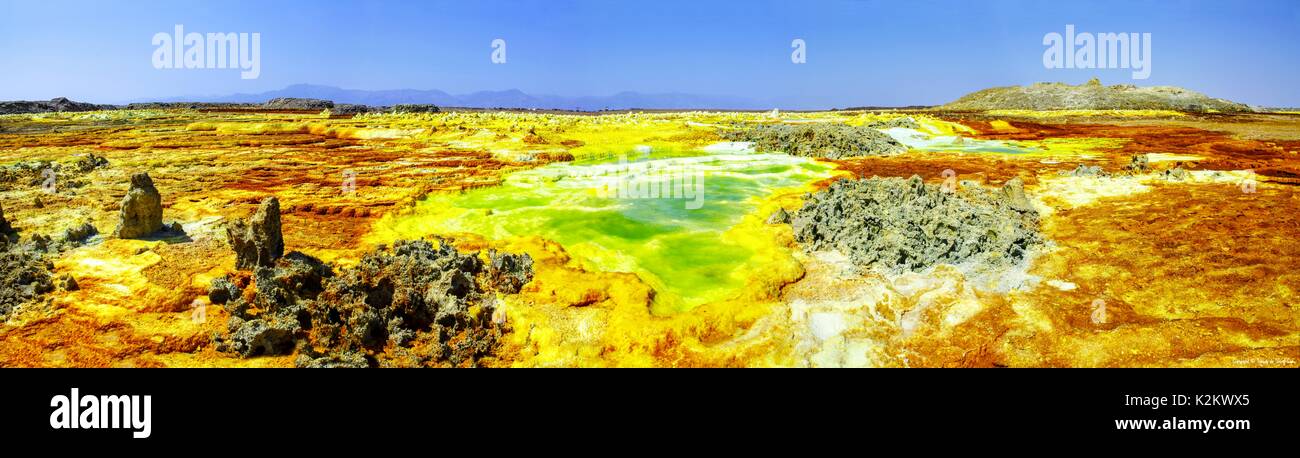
x: 351, y: 109
x: 66, y: 282
x: 222, y: 291
x: 258, y: 242
x: 67, y: 176
x: 5, y: 228
x: 1092, y: 96
x: 1175, y: 174
x: 294, y: 103
x: 415, y: 108
x: 508, y: 272
x: 414, y: 304
x: 91, y: 162
x: 24, y: 275
x: 141, y: 212
x: 1139, y: 163
x: 79, y: 233
x: 26, y: 173
x: 905, y: 122
x: 780, y: 216
x: 1084, y: 170
x: 831, y: 141
x: 59, y: 104
x: 906, y: 225
x: 190, y: 106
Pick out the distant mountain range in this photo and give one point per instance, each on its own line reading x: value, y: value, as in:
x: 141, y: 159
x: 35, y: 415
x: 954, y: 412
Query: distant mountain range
x: 513, y: 98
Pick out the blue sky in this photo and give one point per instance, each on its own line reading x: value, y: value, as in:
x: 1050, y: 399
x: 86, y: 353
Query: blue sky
x: 859, y: 52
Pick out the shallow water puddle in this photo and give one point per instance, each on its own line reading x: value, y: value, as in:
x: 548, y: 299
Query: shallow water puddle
x: 922, y: 141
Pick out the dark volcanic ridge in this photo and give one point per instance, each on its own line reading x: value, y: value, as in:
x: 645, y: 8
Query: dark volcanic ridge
x: 58, y: 104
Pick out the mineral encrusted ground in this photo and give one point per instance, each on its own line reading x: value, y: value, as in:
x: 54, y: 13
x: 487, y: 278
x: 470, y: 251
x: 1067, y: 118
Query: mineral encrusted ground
x: 1177, y: 221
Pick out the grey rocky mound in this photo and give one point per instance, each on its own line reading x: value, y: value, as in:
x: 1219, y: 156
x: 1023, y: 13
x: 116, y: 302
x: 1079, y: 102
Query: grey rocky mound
x: 24, y: 277
x: 91, y: 162
x: 1139, y: 163
x: 5, y: 228
x: 79, y: 233
x: 1084, y: 170
x: 831, y: 141
x: 293, y: 103
x: 258, y: 242
x: 1176, y: 174
x: 141, y: 212
x: 906, y: 225
x: 905, y: 122
x: 1092, y: 96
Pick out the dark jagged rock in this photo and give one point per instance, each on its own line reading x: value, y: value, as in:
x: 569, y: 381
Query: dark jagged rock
x: 907, y: 225
x: 277, y: 315
x: 39, y: 243
x: 413, y: 286
x: 294, y: 103
x: 352, y: 109
x: 222, y: 290
x: 191, y: 106
x: 780, y: 216
x: 1139, y: 163
x: 415, y: 108
x: 141, y: 212
x: 24, y: 276
x: 259, y: 337
x: 79, y: 234
x: 66, y: 282
x: 58, y: 104
x: 5, y: 228
x: 831, y: 141
x: 508, y: 272
x: 432, y: 303
x: 259, y: 241
x: 91, y: 162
